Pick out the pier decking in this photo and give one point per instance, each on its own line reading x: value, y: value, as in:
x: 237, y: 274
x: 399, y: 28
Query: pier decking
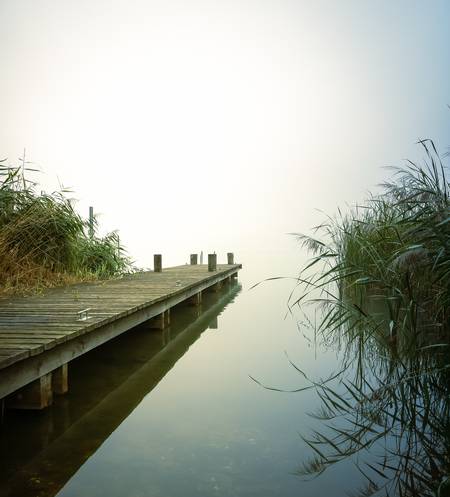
x: 120, y: 377
x: 40, y: 335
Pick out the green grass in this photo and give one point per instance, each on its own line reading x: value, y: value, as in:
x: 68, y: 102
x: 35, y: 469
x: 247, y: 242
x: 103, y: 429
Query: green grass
x: 380, y: 276
x: 44, y: 242
x: 392, y: 253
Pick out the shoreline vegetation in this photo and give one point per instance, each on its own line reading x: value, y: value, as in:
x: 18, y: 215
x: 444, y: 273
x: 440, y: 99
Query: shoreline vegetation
x: 45, y: 243
x: 380, y: 278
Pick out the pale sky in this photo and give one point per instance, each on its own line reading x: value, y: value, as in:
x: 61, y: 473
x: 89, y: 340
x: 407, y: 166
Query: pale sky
x: 220, y: 125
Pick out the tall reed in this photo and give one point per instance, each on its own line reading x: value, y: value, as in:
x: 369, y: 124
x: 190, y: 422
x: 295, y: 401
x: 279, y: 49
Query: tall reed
x: 380, y: 276
x: 44, y: 242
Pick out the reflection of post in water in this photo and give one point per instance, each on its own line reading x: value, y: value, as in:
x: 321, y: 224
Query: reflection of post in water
x: 165, y: 335
x: 119, y: 374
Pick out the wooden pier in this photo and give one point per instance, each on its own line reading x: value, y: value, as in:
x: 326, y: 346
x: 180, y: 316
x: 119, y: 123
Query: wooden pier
x: 40, y: 335
x: 118, y: 383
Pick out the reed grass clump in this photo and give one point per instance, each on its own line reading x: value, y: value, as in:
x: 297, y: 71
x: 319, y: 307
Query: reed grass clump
x: 44, y: 242
x: 380, y: 278
x: 386, y: 264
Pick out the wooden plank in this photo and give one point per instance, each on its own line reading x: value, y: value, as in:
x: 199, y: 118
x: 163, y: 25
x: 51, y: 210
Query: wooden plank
x: 29, y: 326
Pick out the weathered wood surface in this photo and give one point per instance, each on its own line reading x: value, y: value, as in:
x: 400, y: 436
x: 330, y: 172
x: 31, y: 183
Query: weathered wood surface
x: 31, y: 325
x: 113, y: 397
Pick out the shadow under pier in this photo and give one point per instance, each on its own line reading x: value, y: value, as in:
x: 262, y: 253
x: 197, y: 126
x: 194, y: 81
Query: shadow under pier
x: 40, y: 452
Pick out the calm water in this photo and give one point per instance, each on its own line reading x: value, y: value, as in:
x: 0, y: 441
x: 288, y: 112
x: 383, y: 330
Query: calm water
x: 175, y: 413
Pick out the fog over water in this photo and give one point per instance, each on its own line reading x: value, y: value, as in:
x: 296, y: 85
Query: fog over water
x: 203, y: 125
x: 213, y: 125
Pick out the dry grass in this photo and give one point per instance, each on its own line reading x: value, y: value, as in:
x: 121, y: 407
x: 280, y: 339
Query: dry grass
x: 44, y: 242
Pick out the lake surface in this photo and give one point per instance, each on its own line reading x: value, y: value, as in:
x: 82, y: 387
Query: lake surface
x: 176, y: 413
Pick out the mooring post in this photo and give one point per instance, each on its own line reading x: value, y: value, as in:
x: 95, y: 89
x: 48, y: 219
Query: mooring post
x: 230, y: 258
x: 193, y: 259
x: 157, y: 263
x: 212, y: 262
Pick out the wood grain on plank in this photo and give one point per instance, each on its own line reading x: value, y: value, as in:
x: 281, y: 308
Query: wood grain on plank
x: 30, y: 325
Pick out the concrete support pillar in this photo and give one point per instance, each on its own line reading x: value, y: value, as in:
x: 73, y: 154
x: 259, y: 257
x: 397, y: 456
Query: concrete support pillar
x: 194, y: 258
x: 36, y: 395
x: 60, y: 382
x: 212, y: 262
x: 157, y: 263
x: 230, y: 258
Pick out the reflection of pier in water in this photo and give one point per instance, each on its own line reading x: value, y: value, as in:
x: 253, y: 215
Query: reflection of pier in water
x: 39, y: 453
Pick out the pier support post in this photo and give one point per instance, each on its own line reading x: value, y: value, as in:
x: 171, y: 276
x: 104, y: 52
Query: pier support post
x: 216, y: 287
x: 212, y: 262
x: 160, y: 321
x: 36, y: 395
x: 230, y: 258
x: 157, y: 263
x: 165, y: 337
x: 157, y: 323
x: 194, y: 259
x: 60, y: 382
x: 195, y: 299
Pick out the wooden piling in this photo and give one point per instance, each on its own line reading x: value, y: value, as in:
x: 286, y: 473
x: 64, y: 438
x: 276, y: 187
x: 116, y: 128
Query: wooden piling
x: 38, y: 351
x: 230, y: 258
x: 36, y: 395
x: 157, y: 323
x: 60, y: 383
x: 194, y: 258
x: 91, y: 222
x: 195, y: 299
x: 212, y: 262
x: 167, y: 318
x: 161, y: 321
x: 157, y: 263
